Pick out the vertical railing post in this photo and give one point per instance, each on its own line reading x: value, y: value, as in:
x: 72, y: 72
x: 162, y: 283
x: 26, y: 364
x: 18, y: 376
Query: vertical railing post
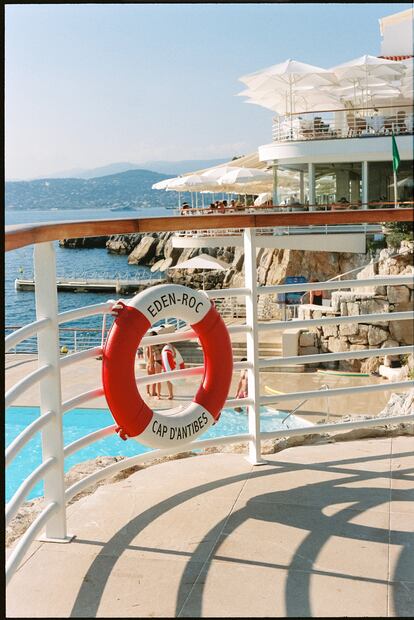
x: 50, y: 388
x: 252, y: 341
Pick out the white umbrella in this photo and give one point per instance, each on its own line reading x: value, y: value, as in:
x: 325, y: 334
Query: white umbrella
x: 192, y: 183
x: 243, y: 176
x: 215, y: 173
x: 263, y: 198
x: 285, y: 78
x: 366, y: 66
x: 359, y: 72
x: 202, y: 261
x: 163, y: 184
x: 303, y: 100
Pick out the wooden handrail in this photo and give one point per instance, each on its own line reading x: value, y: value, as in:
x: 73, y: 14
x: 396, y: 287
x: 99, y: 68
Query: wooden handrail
x: 21, y: 235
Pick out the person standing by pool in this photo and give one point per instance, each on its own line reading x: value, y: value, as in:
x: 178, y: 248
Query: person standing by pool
x: 169, y: 363
x: 242, y: 387
x: 154, y: 365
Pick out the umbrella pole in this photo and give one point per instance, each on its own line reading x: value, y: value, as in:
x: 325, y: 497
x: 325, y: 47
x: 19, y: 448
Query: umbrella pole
x: 179, y: 199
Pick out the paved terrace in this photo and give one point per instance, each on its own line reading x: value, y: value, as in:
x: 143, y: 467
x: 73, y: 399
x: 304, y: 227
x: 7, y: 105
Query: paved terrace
x: 321, y: 530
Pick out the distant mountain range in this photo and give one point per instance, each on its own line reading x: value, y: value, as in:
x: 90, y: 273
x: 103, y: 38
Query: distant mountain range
x: 124, y: 191
x: 170, y: 168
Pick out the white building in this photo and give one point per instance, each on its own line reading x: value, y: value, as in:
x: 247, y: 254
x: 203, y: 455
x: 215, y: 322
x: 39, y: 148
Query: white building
x: 348, y: 152
x: 397, y: 34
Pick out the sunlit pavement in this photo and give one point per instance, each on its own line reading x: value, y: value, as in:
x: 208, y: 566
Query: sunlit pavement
x: 321, y: 530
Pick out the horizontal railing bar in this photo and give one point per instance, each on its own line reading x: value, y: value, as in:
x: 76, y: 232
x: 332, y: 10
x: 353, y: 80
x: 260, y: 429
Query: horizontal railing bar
x: 227, y: 292
x: 336, y: 284
x: 188, y: 334
x: 326, y: 357
x: 202, y: 444
x: 88, y: 439
x: 21, y: 440
x: 26, y: 383
x: 85, y: 311
x: 20, y: 235
x: 159, y: 377
x: 145, y: 380
x: 361, y: 389
x: 81, y: 398
x: 336, y: 320
x: 338, y: 427
x: 19, y: 551
x: 67, y: 360
x: 109, y: 430
x: 25, y: 332
x: 114, y: 468
x: 239, y: 402
x: 24, y: 489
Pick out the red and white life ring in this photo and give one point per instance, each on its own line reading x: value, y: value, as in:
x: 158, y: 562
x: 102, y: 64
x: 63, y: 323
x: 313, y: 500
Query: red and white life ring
x: 171, y: 361
x: 131, y: 413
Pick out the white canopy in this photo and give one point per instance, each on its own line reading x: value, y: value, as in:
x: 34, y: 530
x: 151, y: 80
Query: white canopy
x: 202, y: 261
x: 244, y: 175
x: 163, y: 184
x: 262, y: 199
x: 191, y: 183
x: 284, y: 80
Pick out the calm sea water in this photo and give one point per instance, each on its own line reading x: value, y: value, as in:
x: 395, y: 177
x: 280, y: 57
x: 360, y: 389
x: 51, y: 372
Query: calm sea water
x: 20, y: 305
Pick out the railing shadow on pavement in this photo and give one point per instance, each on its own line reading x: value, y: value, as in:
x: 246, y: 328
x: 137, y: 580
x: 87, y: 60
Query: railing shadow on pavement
x: 303, y: 507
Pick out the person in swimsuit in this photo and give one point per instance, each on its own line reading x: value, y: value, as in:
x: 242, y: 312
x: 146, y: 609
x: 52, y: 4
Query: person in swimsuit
x: 242, y: 386
x: 154, y: 365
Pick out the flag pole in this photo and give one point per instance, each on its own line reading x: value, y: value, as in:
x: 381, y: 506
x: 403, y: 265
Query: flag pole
x: 395, y: 166
x: 395, y: 190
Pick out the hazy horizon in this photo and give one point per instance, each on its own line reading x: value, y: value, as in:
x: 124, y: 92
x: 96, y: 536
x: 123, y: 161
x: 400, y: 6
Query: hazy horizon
x: 89, y: 85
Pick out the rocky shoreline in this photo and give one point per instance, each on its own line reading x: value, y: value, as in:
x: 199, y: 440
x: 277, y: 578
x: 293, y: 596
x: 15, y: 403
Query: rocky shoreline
x: 273, y: 266
x: 399, y: 404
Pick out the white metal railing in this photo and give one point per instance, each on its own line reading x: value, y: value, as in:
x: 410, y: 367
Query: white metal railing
x: 352, y: 123
x: 53, y: 517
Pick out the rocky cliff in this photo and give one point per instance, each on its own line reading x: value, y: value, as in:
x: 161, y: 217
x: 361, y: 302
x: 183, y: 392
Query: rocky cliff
x: 273, y: 266
x: 358, y: 336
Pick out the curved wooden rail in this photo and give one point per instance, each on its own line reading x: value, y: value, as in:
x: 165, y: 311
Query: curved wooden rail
x: 26, y: 234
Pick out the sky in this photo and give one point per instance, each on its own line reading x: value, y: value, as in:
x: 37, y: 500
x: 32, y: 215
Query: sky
x: 93, y: 84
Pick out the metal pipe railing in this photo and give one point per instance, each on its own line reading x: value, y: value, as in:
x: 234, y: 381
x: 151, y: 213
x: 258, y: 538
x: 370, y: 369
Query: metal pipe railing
x: 24, y: 384
x: 25, y: 332
x: 360, y: 389
x: 52, y: 407
x: 20, y: 550
x: 25, y: 488
x: 21, y: 440
x: 369, y: 121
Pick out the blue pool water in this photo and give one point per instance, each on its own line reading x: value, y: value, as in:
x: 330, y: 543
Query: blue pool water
x: 79, y: 422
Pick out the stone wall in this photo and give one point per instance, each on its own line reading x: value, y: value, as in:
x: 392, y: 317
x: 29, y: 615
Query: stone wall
x: 357, y: 336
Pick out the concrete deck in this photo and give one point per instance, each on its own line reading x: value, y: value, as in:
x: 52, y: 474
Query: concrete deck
x: 321, y: 530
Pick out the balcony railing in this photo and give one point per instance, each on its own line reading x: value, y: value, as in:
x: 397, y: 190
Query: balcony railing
x: 355, y: 123
x: 50, y: 363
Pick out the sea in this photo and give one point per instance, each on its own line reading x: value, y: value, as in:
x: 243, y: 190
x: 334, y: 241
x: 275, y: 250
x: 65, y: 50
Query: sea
x: 70, y: 263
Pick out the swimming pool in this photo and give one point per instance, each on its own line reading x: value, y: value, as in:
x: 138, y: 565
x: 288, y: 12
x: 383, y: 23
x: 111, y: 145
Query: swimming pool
x: 80, y: 422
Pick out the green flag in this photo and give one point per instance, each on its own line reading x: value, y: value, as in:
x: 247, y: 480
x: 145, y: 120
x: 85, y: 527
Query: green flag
x: 395, y: 155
